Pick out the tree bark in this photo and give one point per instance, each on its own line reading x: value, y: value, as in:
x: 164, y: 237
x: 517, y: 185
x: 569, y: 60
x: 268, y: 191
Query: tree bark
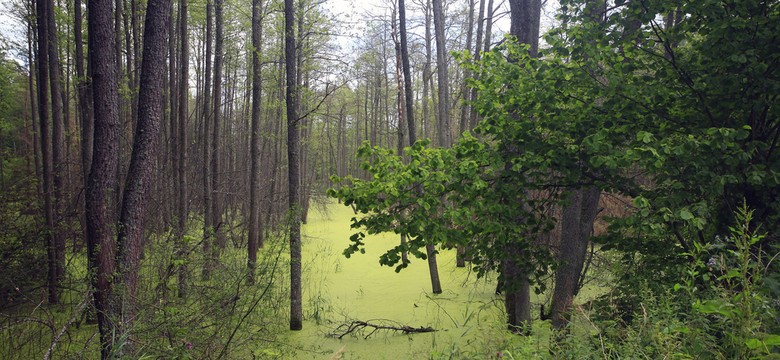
x: 576, y: 227
x: 46, y: 156
x: 445, y: 130
x: 293, y: 174
x: 57, y: 142
x: 183, y: 116
x: 216, y: 200
x: 255, y: 239
x: 517, y: 295
x: 102, y: 178
x: 208, y: 225
x: 142, y: 162
x: 477, y: 57
x: 430, y: 249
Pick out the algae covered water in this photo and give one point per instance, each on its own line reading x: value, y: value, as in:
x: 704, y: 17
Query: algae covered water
x: 338, y: 290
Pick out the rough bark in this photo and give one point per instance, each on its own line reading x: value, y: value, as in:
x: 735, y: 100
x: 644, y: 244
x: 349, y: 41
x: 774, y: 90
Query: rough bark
x: 255, y: 239
x: 57, y: 144
x: 45, y: 143
x: 183, y: 116
x: 216, y: 200
x: 576, y: 226
x: 477, y: 57
x: 445, y: 131
x: 102, y: 178
x: 208, y: 226
x: 142, y: 162
x: 293, y: 174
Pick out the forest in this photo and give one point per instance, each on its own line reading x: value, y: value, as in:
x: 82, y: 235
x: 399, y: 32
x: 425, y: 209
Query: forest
x: 389, y: 179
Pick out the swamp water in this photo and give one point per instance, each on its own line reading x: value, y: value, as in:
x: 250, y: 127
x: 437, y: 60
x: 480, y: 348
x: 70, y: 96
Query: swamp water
x: 468, y: 316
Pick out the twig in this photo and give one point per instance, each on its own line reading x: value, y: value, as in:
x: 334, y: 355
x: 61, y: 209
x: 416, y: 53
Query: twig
x: 356, y: 326
x: 65, y: 327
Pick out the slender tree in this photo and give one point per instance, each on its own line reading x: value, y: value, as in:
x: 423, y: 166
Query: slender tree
x: 216, y: 199
x: 58, y: 157
x: 444, y: 128
x: 255, y: 237
x: 208, y: 226
x: 46, y: 156
x: 183, y: 116
x: 293, y: 168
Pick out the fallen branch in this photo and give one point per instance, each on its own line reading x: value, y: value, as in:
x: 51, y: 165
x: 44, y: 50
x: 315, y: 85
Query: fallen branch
x: 76, y: 315
x: 360, y: 327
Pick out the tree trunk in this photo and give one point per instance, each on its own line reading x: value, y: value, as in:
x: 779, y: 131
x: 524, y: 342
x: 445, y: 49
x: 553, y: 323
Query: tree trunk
x: 184, y: 96
x: 430, y: 249
x: 46, y: 156
x: 216, y: 200
x: 445, y: 131
x: 477, y: 57
x: 57, y: 145
x: 102, y: 178
x: 208, y: 225
x: 293, y: 174
x: 517, y: 295
x: 142, y: 162
x: 426, y: 75
x: 255, y: 240
x: 401, y: 115
x: 576, y: 227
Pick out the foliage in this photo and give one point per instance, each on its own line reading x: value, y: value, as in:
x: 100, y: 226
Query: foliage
x: 650, y: 110
x: 718, y: 310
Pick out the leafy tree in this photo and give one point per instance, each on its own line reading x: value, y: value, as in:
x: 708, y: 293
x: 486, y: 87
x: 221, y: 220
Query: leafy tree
x: 626, y: 105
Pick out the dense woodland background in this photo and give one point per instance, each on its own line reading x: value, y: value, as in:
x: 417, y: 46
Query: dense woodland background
x: 158, y: 157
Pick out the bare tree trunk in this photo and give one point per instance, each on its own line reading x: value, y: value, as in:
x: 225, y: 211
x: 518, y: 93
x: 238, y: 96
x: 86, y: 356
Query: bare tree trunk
x: 577, y: 226
x: 208, y: 225
x: 142, y: 162
x: 427, y: 74
x: 32, y: 58
x: 46, y: 156
x: 255, y: 239
x: 477, y: 56
x: 489, y: 26
x: 102, y: 177
x: 293, y: 175
x: 57, y: 142
x: 216, y: 200
x: 401, y: 115
x: 184, y: 96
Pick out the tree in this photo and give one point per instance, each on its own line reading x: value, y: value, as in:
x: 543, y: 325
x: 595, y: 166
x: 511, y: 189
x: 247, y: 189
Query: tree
x: 183, y: 116
x: 46, y: 156
x: 293, y: 168
x: 255, y: 237
x: 525, y: 16
x: 132, y: 220
x: 101, y: 182
x: 216, y: 198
